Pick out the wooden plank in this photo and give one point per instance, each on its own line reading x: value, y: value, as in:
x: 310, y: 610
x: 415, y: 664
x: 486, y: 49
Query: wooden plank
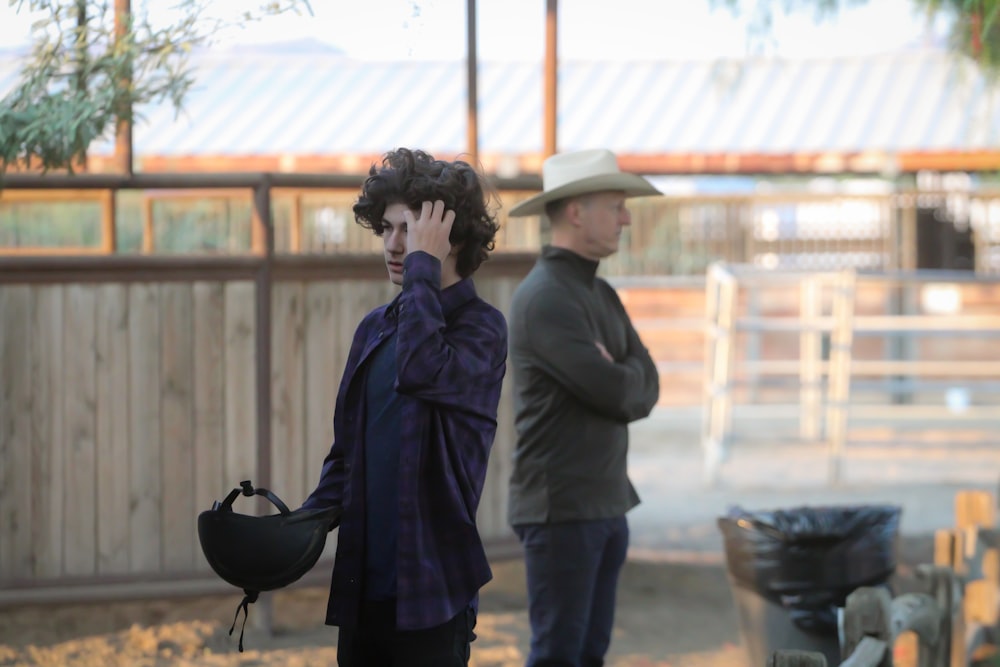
x: 920, y: 613
x: 502, y: 455
x: 47, y: 428
x: 8, y: 503
x: 288, y: 360
x: 240, y: 385
x: 870, y: 652
x: 981, y: 603
x: 177, y: 415
x: 974, y: 508
x: 326, y: 343
x: 210, y: 484
x: 112, y: 393
x: 906, y: 650
x: 145, y: 486
x: 944, y: 547
x: 945, y: 587
x: 16, y: 519
x: 79, y: 391
x: 492, y: 515
x: 796, y: 658
x: 867, y: 613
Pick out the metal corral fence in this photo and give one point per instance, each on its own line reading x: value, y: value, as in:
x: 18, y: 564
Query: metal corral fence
x: 848, y: 345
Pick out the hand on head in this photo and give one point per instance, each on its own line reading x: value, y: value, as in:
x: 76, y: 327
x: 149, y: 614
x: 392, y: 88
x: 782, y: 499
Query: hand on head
x: 431, y: 231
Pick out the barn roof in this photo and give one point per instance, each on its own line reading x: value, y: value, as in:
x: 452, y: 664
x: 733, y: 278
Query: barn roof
x: 919, y: 108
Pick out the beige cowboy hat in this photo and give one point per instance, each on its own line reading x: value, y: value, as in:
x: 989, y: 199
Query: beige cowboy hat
x: 578, y: 173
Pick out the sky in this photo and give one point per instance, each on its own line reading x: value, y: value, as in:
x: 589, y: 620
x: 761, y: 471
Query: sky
x: 588, y: 29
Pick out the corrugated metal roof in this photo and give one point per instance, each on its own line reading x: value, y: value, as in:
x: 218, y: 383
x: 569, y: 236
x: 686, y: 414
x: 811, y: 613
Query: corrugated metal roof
x: 319, y: 104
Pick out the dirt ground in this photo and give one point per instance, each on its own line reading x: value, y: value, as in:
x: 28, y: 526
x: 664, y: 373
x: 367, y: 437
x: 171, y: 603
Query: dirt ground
x: 675, y: 606
x: 670, y: 614
x: 677, y: 614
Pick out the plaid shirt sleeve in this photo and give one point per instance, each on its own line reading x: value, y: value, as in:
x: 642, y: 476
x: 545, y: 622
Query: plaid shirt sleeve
x: 451, y: 351
x: 454, y: 366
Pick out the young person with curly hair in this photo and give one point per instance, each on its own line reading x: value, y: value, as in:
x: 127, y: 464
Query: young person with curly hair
x: 414, y: 423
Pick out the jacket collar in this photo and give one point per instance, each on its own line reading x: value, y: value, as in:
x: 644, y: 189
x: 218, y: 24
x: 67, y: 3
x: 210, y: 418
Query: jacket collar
x: 581, y: 267
x: 452, y: 298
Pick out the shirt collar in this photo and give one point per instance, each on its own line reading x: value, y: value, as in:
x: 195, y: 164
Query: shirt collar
x: 452, y: 298
x: 582, y: 267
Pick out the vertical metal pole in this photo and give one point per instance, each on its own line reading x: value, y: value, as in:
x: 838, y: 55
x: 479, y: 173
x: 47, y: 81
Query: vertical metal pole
x: 263, y: 615
x: 472, y: 113
x: 123, y: 127
x: 551, y: 76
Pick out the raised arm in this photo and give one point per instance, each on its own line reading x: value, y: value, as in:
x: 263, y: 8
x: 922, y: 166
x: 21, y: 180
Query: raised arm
x: 451, y: 366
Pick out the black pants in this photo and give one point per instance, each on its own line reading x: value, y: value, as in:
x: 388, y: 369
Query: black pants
x: 377, y: 643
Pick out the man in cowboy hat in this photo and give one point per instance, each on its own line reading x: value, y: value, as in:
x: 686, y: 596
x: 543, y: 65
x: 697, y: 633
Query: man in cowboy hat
x: 581, y: 374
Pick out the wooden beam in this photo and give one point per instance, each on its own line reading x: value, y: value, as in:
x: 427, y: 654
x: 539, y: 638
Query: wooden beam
x: 148, y: 231
x: 295, y: 225
x: 472, y: 95
x: 551, y: 83
x: 123, y: 126
x: 109, y: 227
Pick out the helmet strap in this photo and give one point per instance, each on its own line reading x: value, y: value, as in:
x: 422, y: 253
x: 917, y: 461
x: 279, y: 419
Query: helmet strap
x: 248, y: 599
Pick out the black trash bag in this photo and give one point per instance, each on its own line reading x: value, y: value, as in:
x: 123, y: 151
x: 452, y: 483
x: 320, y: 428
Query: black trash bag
x: 809, y: 559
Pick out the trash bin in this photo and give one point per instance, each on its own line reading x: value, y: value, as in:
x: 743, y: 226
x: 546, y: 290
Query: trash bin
x: 791, y: 569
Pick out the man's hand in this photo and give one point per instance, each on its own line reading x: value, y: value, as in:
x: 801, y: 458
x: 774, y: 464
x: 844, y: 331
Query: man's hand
x: 604, y: 351
x: 430, y: 232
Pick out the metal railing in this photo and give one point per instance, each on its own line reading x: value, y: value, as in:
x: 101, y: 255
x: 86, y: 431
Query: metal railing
x: 825, y: 375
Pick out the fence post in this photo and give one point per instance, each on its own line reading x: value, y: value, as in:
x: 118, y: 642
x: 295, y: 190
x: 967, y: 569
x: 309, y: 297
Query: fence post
x: 810, y: 359
x: 263, y: 244
x: 841, y: 340
x: 721, y: 298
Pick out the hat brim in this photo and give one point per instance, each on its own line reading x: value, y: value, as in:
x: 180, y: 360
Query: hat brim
x: 631, y: 184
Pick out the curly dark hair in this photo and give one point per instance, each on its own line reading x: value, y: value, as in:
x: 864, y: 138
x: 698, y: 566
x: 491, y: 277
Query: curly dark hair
x: 411, y: 177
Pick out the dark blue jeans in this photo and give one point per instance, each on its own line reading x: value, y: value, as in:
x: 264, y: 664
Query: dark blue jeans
x: 377, y: 643
x: 572, y: 571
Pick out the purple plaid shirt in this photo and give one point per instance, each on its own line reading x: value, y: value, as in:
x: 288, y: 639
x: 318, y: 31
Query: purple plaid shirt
x: 451, y: 357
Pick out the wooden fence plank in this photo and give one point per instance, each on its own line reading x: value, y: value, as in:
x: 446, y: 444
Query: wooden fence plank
x: 177, y: 414
x: 79, y: 384
x: 323, y: 343
x: 113, y: 404
x: 492, y: 516
x: 241, y: 421
x: 210, y: 483
x: 145, y: 489
x: 7, y: 472
x: 974, y: 508
x: 15, y: 433
x: 326, y: 347
x: 47, y: 428
x: 288, y: 462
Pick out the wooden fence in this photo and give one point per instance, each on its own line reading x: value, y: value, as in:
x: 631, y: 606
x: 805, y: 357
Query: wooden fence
x: 951, y: 620
x: 669, y: 235
x: 130, y: 401
x: 135, y: 390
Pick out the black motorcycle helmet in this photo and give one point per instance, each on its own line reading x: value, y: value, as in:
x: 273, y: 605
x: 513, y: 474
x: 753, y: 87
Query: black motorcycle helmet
x: 262, y: 553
